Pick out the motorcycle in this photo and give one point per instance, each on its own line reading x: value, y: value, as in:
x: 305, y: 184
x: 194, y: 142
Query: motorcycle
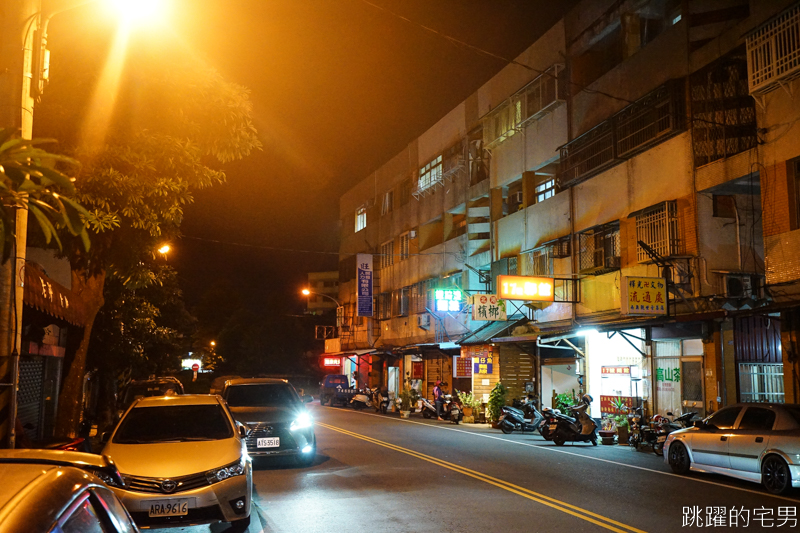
x: 514, y: 419
x: 361, y: 399
x: 380, y: 400
x: 635, y: 428
x: 583, y: 429
x: 451, y: 409
x: 549, y: 423
x: 664, y: 426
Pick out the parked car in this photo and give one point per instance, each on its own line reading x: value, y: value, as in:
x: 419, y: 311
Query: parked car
x: 183, y: 462
x: 275, y: 415
x: 335, y: 389
x: 144, y: 388
x: 752, y: 441
x: 45, y: 490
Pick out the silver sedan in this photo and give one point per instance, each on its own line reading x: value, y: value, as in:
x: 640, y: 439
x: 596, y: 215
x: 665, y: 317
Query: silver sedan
x: 752, y: 441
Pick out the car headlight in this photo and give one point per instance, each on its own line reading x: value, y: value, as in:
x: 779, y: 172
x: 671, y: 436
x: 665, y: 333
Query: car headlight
x: 303, y: 420
x: 234, y: 469
x: 108, y: 479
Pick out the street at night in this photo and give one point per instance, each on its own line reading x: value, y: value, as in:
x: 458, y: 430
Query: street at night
x: 380, y: 473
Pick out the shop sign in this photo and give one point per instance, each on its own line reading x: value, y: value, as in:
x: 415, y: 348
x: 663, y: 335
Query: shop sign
x: 332, y: 361
x: 488, y: 307
x: 526, y: 288
x: 607, y: 407
x: 482, y: 357
x: 644, y: 296
x: 616, y: 370
x: 416, y: 369
x: 668, y: 374
x: 448, y: 300
x: 364, y: 287
x: 463, y: 367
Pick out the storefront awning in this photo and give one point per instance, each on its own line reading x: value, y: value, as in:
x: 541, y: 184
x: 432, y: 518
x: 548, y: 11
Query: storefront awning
x: 492, y: 330
x: 49, y: 296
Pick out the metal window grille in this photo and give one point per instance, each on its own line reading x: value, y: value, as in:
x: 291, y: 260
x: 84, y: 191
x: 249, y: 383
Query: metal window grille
x: 538, y: 262
x: 588, y: 154
x: 773, y: 52
x: 400, y: 302
x: 384, y: 306
x: 454, y: 159
x: 657, y: 227
x: 642, y: 123
x: 542, y: 94
x: 600, y: 249
x: 387, y: 254
x: 361, y: 218
x: 430, y: 176
x: 759, y: 382
x: 500, y: 124
x: 404, y: 246
x: 724, y: 114
x: 513, y: 267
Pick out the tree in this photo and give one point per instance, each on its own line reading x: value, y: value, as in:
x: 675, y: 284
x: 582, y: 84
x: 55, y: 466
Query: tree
x: 173, y: 125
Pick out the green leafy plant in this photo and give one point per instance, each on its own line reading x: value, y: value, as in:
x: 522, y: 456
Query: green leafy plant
x: 497, y: 399
x: 564, y: 401
x: 620, y: 418
x: 408, y: 397
x: 470, y: 400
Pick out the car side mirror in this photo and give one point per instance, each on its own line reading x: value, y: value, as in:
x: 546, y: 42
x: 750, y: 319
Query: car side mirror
x: 242, y: 431
x: 105, y: 437
x: 307, y: 398
x: 669, y: 413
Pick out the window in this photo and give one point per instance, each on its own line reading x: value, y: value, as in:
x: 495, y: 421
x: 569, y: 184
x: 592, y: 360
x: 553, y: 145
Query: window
x: 545, y: 190
x: 757, y: 418
x: 361, y: 218
x: 387, y: 254
x: 388, y: 203
x: 430, y: 175
x: 657, y: 227
x: 421, y: 296
x: 400, y: 302
x: 501, y: 122
x: 761, y: 382
x: 600, y: 250
x: 404, y: 238
x: 773, y: 52
x: 538, y: 262
x: 384, y: 306
x: 724, y: 418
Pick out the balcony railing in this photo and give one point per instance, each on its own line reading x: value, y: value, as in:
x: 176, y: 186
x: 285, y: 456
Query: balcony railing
x: 658, y: 227
x: 773, y: 52
x: 650, y: 120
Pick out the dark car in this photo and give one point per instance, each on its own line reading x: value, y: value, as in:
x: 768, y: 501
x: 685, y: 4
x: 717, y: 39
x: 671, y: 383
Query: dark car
x: 45, y: 490
x: 144, y: 388
x: 335, y: 389
x: 275, y: 416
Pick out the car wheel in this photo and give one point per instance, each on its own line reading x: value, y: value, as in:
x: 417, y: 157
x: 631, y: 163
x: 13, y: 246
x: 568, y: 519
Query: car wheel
x: 775, y: 475
x: 239, y: 526
x: 679, y: 458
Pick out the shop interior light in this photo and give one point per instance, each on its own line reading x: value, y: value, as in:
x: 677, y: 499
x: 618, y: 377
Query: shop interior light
x: 586, y: 331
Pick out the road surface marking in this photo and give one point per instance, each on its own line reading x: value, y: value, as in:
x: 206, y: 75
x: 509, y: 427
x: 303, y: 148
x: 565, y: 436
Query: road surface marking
x: 556, y: 450
x: 564, y: 507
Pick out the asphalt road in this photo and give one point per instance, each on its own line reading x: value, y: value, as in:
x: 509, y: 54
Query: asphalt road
x: 376, y: 473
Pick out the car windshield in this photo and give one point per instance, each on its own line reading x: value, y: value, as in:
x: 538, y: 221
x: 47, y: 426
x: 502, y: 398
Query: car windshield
x: 171, y: 423
x: 261, y: 395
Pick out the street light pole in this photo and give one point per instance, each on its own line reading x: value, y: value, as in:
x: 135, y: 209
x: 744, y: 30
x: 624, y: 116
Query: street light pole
x: 307, y: 292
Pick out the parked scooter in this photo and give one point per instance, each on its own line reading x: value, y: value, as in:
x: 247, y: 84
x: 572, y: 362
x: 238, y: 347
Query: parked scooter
x: 550, y: 419
x: 665, y: 426
x: 451, y: 409
x: 584, y: 429
x: 380, y: 400
x: 635, y: 427
x: 513, y: 419
x: 361, y: 399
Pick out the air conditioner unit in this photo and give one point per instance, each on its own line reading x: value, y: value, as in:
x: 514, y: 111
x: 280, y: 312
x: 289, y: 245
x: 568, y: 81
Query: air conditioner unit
x: 612, y: 262
x: 424, y: 321
x: 738, y: 286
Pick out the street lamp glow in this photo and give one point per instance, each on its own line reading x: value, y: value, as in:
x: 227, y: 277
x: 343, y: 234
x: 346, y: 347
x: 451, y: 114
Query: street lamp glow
x: 213, y: 343
x: 164, y: 249
x: 137, y: 10
x: 306, y: 292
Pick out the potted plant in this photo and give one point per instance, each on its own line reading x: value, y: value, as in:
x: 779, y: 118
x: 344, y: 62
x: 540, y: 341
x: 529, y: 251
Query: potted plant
x: 408, y: 397
x: 497, y: 399
x: 470, y: 404
x: 607, y: 431
x: 620, y: 419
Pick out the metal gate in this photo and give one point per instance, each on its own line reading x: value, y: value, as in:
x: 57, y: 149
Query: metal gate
x: 29, y: 398
x: 761, y: 382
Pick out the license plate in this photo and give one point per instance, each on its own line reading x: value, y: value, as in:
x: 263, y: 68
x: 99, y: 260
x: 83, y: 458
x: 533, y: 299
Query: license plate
x: 168, y: 507
x: 661, y: 439
x: 268, y: 442
x: 553, y: 427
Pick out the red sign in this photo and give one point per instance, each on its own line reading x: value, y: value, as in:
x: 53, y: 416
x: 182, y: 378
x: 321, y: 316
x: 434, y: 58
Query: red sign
x: 607, y: 407
x: 332, y: 361
x: 616, y: 370
x: 195, y: 367
x: 416, y: 369
x: 463, y: 367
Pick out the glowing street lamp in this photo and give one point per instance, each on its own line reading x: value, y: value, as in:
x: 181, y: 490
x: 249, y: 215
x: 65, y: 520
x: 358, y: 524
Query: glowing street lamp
x: 307, y: 292
x: 164, y: 249
x: 137, y: 10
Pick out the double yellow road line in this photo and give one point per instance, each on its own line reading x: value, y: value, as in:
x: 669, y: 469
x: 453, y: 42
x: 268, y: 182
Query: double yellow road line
x: 583, y: 514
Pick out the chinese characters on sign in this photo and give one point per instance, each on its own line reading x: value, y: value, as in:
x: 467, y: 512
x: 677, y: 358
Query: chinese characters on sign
x: 463, y: 367
x: 448, y: 300
x: 526, y: 288
x: 668, y: 374
x: 607, y: 404
x: 482, y: 358
x: 644, y: 296
x: 762, y: 517
x: 332, y: 361
x: 364, y: 287
x: 488, y: 307
x: 616, y: 370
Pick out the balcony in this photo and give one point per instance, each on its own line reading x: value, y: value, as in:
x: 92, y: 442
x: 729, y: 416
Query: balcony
x: 650, y: 120
x: 773, y: 53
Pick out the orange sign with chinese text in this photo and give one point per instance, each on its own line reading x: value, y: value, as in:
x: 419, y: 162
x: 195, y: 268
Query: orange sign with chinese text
x: 526, y: 288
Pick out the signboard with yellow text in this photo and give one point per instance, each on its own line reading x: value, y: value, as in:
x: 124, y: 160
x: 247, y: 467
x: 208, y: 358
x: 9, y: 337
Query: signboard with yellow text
x: 644, y: 296
x: 528, y: 288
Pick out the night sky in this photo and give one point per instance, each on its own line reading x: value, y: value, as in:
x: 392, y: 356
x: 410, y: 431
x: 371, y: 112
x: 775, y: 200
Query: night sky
x: 338, y: 87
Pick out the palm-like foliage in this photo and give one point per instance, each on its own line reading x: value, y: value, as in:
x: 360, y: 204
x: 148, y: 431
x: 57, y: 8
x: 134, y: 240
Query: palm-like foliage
x: 29, y: 180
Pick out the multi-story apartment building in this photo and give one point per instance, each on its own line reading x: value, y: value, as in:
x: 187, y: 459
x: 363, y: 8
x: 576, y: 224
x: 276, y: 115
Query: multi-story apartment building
x: 642, y: 156
x: 323, y: 288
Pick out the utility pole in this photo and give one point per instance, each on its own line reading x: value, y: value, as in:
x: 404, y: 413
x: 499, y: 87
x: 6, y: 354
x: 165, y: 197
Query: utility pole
x: 19, y: 20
